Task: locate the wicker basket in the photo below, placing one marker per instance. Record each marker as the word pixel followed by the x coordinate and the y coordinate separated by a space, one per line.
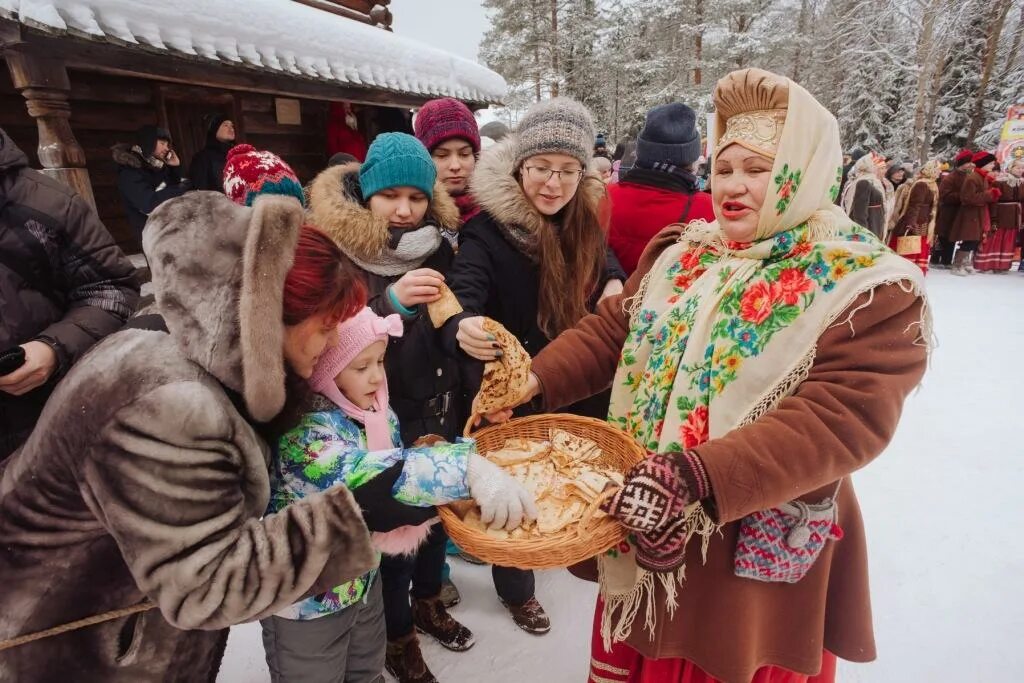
pixel 577 542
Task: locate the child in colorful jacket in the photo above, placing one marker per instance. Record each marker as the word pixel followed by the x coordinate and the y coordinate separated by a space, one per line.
pixel 352 436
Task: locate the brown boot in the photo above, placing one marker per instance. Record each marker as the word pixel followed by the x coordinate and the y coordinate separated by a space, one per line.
pixel 431 617
pixel 404 661
pixel 529 616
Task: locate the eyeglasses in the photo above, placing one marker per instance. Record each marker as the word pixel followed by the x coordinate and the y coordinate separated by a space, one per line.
pixel 542 174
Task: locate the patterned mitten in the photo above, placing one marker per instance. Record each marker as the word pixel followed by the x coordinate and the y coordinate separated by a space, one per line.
pixel 652 503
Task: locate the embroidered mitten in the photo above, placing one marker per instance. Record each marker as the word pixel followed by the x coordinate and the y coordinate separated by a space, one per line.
pixel 652 503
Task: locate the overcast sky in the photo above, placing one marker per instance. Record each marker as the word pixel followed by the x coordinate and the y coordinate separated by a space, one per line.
pixel 452 25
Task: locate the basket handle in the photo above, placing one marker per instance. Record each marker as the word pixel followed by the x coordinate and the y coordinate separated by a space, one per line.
pixel 467 431
pixel 595 505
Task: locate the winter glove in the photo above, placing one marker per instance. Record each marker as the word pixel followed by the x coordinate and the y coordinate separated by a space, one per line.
pixel 381 512
pixel 503 502
pixel 996 193
pixel 652 503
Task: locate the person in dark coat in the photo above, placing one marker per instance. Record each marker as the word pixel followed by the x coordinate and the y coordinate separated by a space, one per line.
pixel 661 188
pixel 864 196
pixel 949 204
pixel 206 172
pixel 64 285
pixel 147 174
pixel 389 215
pixel 448 129
pixel 535 259
pixel 973 218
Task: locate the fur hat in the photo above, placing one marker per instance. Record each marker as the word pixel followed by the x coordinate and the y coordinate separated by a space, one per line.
pixel 983 158
pixel 397 160
pixel 964 156
pixel 556 126
pixel 750 107
pixel 669 136
pixel 444 119
pixel 250 173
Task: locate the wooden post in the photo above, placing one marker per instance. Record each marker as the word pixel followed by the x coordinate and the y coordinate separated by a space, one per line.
pixel 45 86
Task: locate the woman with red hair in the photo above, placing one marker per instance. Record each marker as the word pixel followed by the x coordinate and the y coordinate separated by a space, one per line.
pixel 146 483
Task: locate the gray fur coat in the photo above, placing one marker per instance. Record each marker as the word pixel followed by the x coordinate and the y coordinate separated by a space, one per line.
pixel 143 479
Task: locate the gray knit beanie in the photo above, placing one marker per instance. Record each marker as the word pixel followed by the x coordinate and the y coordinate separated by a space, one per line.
pixel 556 126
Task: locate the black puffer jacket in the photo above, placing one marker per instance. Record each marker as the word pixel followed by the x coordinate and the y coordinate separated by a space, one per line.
pixel 63 280
pixel 424 381
pixel 144 183
pixel 492 277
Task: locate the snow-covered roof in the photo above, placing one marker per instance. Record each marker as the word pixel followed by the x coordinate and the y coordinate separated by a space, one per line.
pixel 273 35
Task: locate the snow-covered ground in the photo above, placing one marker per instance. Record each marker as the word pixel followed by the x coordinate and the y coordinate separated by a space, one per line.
pixel 941 507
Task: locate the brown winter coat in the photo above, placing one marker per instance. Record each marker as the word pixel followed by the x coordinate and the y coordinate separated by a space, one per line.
pixel 949 202
pixel 919 216
pixel 1007 212
pixel 839 419
pixel 972 218
pixel 145 478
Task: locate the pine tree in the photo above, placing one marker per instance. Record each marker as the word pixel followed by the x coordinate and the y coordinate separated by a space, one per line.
pixel 960 80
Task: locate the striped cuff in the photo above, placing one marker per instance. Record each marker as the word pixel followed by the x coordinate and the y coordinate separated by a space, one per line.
pixel 692 472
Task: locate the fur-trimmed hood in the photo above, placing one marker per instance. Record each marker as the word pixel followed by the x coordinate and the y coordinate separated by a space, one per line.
pixel 124 155
pixel 218 275
pixel 497 191
pixel 336 207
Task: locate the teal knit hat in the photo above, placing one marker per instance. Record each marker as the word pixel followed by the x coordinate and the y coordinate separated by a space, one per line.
pixel 397 160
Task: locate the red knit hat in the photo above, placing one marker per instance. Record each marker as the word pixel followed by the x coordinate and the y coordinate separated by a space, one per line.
pixel 982 158
pixel 963 157
pixel 444 119
pixel 250 172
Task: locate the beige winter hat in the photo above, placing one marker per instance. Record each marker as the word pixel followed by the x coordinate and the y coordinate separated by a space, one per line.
pixel 750 108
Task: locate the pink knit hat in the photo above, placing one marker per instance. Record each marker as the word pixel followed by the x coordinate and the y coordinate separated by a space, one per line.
pixel 354 335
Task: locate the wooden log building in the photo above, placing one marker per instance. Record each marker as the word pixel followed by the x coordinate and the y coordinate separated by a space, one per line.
pixel 84 75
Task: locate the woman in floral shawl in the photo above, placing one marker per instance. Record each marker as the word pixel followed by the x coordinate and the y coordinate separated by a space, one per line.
pixel 761 359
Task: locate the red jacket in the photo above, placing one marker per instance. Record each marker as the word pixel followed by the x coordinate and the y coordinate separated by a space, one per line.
pixel 639 212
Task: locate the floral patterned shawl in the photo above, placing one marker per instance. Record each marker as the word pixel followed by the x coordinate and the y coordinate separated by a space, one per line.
pixel 720 332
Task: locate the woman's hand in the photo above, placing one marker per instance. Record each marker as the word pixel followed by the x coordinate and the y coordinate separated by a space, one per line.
pixel 420 286
pixel 531 390
pixel 612 288
pixel 476 341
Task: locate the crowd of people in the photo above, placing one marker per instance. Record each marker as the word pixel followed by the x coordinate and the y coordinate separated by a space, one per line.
pixel 966 214
pixel 269 438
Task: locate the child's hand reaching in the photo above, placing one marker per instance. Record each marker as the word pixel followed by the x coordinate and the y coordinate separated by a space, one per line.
pixel 503 501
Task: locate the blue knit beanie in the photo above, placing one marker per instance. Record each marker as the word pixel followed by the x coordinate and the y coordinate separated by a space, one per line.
pixel 397 160
pixel 669 137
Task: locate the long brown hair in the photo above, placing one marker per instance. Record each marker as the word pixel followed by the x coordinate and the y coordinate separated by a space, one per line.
pixel 572 257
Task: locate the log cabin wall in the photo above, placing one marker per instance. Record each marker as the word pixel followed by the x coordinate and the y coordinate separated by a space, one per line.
pixel 106 110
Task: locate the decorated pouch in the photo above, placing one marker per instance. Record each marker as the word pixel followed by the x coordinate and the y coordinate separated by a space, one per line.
pixel 780 544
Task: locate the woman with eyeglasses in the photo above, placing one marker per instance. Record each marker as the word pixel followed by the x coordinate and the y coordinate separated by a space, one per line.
pixel 535 259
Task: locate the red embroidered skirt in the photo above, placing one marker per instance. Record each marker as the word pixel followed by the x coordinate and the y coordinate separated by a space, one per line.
pixel 625 665
pixel 996 251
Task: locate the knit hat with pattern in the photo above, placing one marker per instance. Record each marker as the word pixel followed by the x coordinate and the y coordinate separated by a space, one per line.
pixel 250 172
pixel 397 160
pixel 556 126
pixel 444 119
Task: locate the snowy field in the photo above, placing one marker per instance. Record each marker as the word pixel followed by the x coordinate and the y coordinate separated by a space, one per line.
pixel 947 571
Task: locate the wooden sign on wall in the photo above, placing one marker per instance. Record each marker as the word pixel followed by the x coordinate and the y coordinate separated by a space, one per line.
pixel 289 111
